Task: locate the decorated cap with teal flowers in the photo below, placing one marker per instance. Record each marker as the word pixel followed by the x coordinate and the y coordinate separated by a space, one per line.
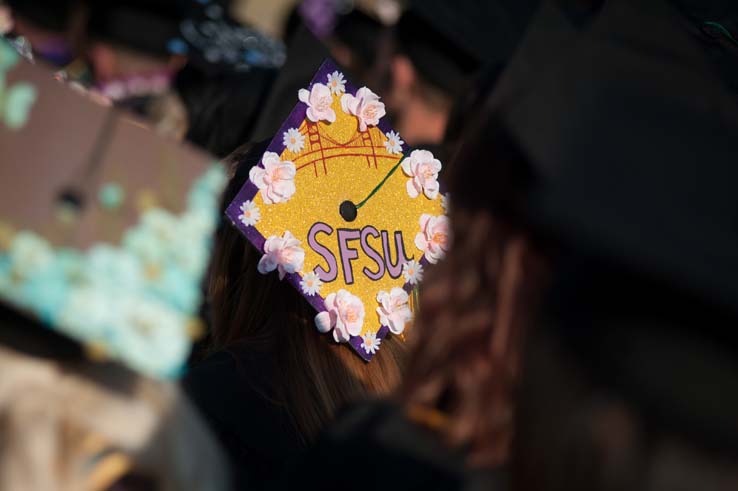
pixel 105 227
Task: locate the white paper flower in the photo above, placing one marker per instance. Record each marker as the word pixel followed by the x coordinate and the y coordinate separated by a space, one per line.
pixel 422 168
pixel 394 142
pixel 370 343
pixel 365 106
pixel 393 310
pixel 344 314
pixel 283 254
pixel 433 238
pixel 276 180
pixel 446 202
pixel 336 83
pixel 293 140
pixel 319 102
pixel 250 213
pixel 412 271
pixel 310 283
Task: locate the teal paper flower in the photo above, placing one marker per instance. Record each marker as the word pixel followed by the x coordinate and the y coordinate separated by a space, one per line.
pixel 150 337
pixel 106 264
pixel 111 196
pixel 87 315
pixel 8 56
pixel 29 254
pixel 178 290
pixel 46 294
pixel 16 103
pixel 146 246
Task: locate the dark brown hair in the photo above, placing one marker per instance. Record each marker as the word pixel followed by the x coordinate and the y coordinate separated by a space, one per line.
pixel 476 303
pixel 315 375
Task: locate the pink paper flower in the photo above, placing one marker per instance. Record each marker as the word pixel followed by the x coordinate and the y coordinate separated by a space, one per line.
pixel 283 254
pixel 319 101
pixel 393 310
pixel 434 237
pixel 422 168
pixel 276 181
pixel 365 106
pixel 344 314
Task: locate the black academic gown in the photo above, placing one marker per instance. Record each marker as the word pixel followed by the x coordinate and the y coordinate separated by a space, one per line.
pixel 233 392
pixel 374 446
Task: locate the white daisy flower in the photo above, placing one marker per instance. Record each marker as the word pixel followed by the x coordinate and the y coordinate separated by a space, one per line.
pixel 412 271
pixel 250 213
pixel 370 343
pixel 394 142
pixel 293 140
pixel 310 284
pixel 336 83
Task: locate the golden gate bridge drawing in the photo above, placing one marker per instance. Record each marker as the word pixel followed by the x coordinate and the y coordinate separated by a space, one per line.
pixel 321 147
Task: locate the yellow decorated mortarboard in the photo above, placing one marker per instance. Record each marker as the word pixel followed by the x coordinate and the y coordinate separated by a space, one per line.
pixel 344 211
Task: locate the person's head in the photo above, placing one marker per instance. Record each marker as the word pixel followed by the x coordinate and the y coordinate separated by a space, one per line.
pixel 360 44
pixel 222 108
pixel 315 376
pixel 419 100
pixel 478 300
pixel 440 48
pixel 130 37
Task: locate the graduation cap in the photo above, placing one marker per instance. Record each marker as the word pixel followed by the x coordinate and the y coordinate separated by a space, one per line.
pixel 105 227
pixel 343 210
pixel 448 42
pixel 632 134
pixel 143 25
pixel 714 25
pixel 53 15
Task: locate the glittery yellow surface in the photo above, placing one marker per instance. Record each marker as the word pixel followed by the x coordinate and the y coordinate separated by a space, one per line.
pixel 339 163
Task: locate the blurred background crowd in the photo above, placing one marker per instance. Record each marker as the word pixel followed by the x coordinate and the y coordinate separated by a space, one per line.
pixel 581 332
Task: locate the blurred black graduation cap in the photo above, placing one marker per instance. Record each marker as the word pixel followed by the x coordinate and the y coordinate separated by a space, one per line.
pixel 143 25
pixel 360 32
pixel 449 42
pixel 53 15
pixel 632 134
pixel 476 124
pixel 304 54
pixel 714 25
